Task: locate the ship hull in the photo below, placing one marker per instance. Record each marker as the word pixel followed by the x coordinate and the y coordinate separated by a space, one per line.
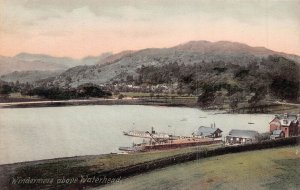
pixel 167 146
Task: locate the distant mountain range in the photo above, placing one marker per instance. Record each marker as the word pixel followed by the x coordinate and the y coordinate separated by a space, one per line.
pixel 29 76
pixel 41 62
pixel 118 66
pixel 109 67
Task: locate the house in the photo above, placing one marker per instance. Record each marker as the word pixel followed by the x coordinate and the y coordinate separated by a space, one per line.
pixel 288 123
pixel 210 132
pixel 277 134
pixel 237 136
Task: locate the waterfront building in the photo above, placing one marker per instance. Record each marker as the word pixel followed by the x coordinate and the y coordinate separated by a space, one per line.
pixel 210 132
pixel 237 136
pixel 277 134
pixel 288 123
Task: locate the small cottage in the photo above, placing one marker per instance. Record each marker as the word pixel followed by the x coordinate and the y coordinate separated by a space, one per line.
pixel 209 132
pixel 237 136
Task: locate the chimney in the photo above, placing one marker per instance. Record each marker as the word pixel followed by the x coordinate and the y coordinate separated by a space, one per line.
pixel 285 115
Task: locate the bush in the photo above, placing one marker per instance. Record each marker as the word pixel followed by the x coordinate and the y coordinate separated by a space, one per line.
pixel 5 89
pixel 121 96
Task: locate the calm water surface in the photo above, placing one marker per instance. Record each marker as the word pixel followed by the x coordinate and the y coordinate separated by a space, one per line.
pixel 41 133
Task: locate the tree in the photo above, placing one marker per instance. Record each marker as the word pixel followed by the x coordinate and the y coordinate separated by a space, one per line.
pixel 5 90
pixel 207 97
pixel 284 88
pixel 151 95
pixel 91 90
pixel 234 101
pixel 129 78
pixel 116 92
pixel 121 96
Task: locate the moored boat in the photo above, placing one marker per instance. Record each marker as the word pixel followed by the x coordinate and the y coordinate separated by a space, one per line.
pixel 147 134
pixel 163 141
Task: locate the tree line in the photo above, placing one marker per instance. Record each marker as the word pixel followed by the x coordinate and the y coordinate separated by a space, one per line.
pixel 56 93
pixel 274 76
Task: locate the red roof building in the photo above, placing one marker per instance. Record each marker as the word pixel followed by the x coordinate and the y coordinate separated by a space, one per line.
pixel 288 123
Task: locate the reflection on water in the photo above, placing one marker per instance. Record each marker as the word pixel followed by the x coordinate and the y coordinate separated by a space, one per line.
pixel 42 133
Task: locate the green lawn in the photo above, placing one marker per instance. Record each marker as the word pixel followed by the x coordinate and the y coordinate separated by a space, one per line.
pixel 161 95
pixel 19 95
pixel 109 162
pixel 264 169
pixel 85 165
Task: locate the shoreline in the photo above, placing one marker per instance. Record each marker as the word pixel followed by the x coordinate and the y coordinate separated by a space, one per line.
pixel 102 101
pixel 271 108
pixel 109 166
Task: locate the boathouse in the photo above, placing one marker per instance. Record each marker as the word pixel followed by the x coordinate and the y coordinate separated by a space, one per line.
pixel 277 134
pixel 288 123
pixel 237 136
pixel 210 132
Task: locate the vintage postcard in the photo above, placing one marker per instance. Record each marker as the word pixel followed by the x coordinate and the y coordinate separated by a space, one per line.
pixel 149 94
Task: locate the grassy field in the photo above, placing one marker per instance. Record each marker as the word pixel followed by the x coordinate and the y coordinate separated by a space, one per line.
pixel 155 95
pixel 19 95
pixel 264 169
pixel 77 166
pixel 279 109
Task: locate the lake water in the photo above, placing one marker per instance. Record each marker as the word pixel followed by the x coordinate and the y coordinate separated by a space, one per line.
pixel 41 133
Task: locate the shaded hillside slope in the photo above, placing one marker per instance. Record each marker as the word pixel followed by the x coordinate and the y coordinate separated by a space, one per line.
pixel 119 67
pixel 29 76
pixel 41 62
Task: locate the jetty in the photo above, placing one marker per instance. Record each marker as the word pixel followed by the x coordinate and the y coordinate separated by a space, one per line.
pixel 164 141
